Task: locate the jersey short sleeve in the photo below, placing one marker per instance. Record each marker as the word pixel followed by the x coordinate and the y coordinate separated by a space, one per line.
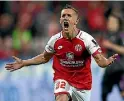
pixel 50 45
pixel 92 46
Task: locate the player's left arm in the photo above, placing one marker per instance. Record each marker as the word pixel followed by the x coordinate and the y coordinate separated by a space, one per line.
pixel 103 61
pixel 95 50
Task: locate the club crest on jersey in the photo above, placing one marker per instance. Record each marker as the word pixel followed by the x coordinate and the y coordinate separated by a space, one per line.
pixel 78 47
pixel 59 47
pixel 70 55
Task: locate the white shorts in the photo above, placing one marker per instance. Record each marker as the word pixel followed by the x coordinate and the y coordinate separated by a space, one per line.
pixel 63 87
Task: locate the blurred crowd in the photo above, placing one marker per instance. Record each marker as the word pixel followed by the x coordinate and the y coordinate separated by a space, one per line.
pixel 26 26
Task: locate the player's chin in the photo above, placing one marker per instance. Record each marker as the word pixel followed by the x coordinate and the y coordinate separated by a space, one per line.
pixel 65 29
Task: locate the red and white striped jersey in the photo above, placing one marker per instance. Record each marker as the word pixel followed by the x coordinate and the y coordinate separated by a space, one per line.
pixel 72 58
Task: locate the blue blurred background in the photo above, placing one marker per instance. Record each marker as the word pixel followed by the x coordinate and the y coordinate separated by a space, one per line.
pixel 25 28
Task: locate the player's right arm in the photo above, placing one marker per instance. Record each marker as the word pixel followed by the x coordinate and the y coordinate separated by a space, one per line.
pixel 19 63
pixel 39 59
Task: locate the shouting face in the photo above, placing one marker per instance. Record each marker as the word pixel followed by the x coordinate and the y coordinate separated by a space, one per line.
pixel 68 20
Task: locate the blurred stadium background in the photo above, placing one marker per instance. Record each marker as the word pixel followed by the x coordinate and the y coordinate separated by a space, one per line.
pixel 25 28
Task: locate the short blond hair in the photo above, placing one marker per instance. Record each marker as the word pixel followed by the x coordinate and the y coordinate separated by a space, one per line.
pixel 67 6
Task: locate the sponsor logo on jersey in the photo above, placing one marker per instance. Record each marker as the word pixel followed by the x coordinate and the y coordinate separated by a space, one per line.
pixel 99 50
pixel 70 55
pixel 72 63
pixel 78 47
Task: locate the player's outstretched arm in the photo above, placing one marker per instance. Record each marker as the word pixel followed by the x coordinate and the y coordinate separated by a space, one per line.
pixel 19 63
pixel 104 62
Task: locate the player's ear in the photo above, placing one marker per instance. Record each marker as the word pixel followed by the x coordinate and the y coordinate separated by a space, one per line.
pixel 77 21
pixel 60 21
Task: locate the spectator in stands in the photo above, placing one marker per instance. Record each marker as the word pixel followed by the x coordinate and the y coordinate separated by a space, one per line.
pixel 115 72
pixel 95 16
pixel 6 25
pixel 21 35
pixel 53 25
pixel 119 49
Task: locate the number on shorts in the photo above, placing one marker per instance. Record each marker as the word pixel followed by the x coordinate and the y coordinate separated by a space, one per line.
pixel 60 84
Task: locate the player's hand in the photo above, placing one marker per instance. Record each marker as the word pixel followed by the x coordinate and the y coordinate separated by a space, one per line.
pixel 18 64
pixel 112 59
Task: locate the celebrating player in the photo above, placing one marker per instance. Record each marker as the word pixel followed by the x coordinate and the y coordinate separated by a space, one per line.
pixel 71 50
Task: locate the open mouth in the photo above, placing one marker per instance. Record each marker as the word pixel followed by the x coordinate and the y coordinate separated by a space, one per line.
pixel 66 24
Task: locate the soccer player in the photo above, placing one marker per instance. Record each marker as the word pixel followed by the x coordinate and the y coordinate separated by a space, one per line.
pixel 71 50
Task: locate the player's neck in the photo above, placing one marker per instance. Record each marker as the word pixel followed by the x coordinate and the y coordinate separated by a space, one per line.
pixel 71 34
